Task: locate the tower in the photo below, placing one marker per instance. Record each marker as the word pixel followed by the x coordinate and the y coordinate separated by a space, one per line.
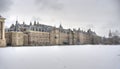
pixel 2 32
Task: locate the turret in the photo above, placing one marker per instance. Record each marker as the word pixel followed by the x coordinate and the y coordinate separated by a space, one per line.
pixel 12 26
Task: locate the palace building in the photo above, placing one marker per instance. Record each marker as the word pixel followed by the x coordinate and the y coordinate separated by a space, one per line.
pixel 36 34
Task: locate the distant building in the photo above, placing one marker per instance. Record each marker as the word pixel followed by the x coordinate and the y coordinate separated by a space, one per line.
pixel 114 37
pixel 115 33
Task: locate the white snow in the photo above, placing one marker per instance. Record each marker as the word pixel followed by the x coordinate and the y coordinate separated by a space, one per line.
pixel 61 57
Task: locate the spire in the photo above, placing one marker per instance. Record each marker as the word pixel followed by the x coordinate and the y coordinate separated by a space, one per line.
pixel 16 21
pixel 34 22
pixel 110 34
pixel 60 26
pixel 23 23
pixel 37 23
pixel 30 23
pixel 78 29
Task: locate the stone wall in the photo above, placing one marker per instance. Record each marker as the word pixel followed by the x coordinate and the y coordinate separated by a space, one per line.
pixel 82 38
pixel 38 38
pixel 59 38
pixel 8 36
pixel 55 37
pixel 70 38
pixel 2 43
pixel 14 38
pixel 2 32
pixel 75 37
pixel 26 40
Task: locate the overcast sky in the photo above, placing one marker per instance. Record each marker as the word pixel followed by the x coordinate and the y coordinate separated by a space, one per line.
pixel 99 15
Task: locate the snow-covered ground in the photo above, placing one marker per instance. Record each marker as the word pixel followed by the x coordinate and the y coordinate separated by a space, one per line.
pixel 61 57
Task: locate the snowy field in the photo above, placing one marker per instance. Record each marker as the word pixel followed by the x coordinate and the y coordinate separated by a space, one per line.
pixel 61 57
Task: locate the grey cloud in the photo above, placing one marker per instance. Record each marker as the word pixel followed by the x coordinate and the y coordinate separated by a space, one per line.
pixel 49 4
pixel 96 14
pixel 5 5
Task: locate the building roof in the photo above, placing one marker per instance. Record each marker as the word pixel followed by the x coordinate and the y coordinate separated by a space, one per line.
pixel 35 27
